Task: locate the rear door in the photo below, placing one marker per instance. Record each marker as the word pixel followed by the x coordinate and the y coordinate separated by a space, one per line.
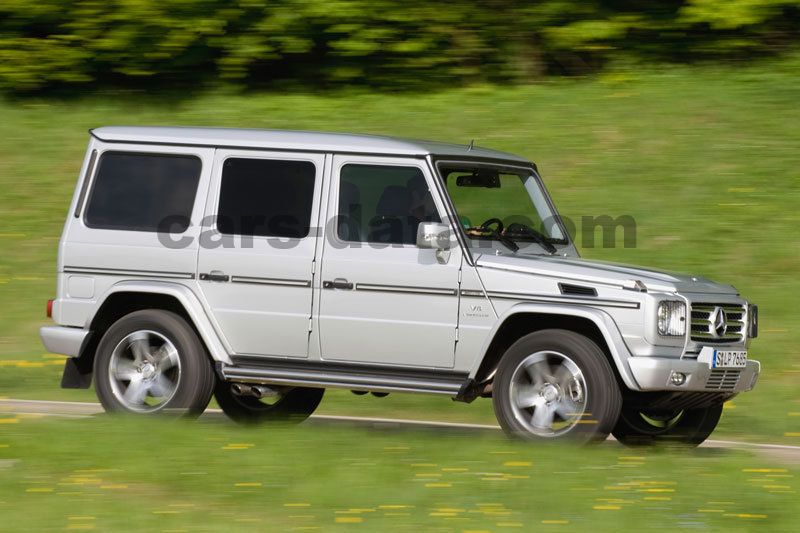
pixel 256 259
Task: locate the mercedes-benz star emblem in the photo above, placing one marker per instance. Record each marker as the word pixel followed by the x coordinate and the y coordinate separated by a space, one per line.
pixel 719 322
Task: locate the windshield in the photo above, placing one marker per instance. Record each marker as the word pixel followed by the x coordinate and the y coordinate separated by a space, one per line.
pixel 501 204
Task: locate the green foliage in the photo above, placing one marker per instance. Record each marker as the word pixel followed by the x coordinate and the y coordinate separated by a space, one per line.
pixel 51 43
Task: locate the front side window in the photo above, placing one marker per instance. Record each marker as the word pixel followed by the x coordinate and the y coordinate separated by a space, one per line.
pixel 266 197
pixel 503 204
pixel 143 192
pixel 383 204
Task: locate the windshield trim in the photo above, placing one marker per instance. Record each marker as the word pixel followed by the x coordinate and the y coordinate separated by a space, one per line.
pixel 500 164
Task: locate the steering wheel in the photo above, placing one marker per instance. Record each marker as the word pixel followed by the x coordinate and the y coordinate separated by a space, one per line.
pixel 493 221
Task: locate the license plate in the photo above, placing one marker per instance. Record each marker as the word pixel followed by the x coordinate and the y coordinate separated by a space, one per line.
pixel 729 359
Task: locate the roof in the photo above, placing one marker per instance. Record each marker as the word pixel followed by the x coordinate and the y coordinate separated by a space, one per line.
pixel 294 140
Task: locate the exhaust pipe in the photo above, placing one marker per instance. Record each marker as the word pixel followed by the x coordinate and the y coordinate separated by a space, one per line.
pixel 253 391
pixel 240 389
pixel 260 391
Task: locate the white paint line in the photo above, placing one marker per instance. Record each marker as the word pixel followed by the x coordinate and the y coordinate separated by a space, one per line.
pixel 47 407
pixel 406 422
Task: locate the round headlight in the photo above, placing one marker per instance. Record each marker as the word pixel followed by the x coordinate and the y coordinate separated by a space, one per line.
pixel 672 319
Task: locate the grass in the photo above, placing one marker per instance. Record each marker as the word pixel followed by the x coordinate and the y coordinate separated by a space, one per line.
pixel 705 159
pixel 158 475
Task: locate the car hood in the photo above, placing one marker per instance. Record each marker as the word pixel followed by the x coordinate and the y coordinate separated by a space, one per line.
pixel 577 269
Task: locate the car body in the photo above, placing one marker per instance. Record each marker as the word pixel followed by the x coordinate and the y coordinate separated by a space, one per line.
pixel 311 295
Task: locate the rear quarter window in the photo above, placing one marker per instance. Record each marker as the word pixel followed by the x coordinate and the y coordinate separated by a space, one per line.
pixel 143 192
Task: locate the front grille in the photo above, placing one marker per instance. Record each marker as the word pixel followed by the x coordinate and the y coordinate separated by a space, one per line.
pixel 703 327
pixel 723 379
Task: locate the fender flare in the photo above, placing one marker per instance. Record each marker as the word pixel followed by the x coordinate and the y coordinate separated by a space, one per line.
pixel 608 328
pixel 190 302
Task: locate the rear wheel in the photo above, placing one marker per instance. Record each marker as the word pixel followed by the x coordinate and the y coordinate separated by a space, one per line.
pixel 152 361
pixel 689 427
pixel 289 404
pixel 555 384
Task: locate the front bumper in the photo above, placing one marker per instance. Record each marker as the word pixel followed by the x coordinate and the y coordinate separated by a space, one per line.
pixel 63 340
pixel 653 374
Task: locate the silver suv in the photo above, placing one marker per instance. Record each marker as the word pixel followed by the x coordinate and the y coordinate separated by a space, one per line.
pixel 265 266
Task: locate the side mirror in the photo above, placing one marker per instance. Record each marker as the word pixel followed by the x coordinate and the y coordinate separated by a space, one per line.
pixel 435 235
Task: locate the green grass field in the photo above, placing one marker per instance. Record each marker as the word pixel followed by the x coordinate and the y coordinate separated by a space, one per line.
pixel 706 159
pixel 157 475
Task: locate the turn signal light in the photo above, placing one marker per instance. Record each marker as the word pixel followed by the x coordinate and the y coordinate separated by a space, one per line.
pixel 49 308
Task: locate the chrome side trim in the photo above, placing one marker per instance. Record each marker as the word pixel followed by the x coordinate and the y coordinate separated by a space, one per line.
pixel 469 293
pixel 310 378
pixel 405 289
pixel 123 272
pixel 271 281
pixel 545 298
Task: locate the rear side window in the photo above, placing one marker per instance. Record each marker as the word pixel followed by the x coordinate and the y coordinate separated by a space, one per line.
pixel 143 192
pixel 265 197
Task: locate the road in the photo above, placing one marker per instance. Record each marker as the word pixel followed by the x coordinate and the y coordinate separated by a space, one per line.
pixel 780 452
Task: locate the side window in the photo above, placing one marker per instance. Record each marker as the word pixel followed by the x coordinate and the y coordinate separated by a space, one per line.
pixel 143 192
pixel 383 204
pixel 264 197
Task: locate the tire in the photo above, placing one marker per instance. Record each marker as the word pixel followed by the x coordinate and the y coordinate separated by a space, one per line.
pixel 292 405
pixel 560 377
pixel 152 361
pixel 689 427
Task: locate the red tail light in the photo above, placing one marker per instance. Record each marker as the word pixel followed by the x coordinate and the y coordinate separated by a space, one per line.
pixel 49 308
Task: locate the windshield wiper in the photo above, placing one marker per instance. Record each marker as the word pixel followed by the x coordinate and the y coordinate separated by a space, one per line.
pixel 505 241
pixel 535 236
pixel 546 244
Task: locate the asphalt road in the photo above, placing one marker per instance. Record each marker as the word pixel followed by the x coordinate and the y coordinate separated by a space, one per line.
pixel 779 452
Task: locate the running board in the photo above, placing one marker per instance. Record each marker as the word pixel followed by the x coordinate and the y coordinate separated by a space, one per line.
pixel 339 376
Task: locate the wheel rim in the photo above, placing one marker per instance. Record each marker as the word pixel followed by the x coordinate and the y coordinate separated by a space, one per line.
pixel 548 394
pixel 144 371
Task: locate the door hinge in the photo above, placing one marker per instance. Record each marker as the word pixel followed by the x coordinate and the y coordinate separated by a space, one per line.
pixel 313 267
pixel 456 334
pixel 310 324
pixel 460 272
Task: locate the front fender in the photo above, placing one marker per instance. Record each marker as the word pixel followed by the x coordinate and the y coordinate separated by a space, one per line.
pixel 188 299
pixel 603 321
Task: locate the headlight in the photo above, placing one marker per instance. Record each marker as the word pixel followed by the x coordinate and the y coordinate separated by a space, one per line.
pixel 672 319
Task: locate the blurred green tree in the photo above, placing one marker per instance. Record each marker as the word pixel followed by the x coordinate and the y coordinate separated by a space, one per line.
pixel 84 43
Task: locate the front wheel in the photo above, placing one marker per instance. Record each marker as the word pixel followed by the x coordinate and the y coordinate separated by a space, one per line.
pixel 288 405
pixel 556 384
pixel 688 427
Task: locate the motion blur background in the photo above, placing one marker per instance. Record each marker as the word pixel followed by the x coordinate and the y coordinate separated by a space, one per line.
pixel 682 114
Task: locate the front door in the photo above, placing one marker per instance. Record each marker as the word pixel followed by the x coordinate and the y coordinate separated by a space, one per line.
pixel 255 267
pixel 383 299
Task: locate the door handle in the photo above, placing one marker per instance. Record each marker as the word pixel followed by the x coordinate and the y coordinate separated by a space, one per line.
pixel 215 275
pixel 338 283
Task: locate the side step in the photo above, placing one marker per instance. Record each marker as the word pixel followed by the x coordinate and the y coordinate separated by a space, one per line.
pixel 268 371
